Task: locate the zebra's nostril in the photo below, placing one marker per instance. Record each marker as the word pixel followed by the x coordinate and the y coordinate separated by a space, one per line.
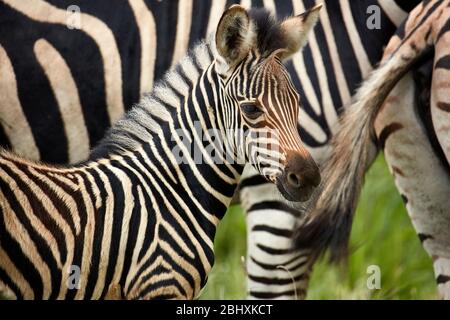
pixel 294 180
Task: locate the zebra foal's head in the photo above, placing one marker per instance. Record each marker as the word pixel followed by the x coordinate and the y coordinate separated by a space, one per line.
pixel 259 97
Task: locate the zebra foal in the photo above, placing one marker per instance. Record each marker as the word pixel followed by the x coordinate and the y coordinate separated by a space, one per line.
pixel 138 222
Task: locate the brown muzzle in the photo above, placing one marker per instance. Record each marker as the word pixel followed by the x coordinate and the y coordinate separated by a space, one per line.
pixel 301 176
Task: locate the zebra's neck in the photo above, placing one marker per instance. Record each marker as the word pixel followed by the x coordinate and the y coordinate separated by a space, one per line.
pixel 179 125
pixel 163 144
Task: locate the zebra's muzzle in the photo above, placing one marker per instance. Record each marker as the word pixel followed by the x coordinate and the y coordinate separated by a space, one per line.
pixel 300 178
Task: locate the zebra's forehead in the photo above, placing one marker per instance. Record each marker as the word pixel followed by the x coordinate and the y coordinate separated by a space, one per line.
pixel 270 76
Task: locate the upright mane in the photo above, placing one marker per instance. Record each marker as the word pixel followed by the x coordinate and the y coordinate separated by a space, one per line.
pixel 143 121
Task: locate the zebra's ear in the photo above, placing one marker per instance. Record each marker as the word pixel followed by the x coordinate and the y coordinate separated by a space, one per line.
pixel 296 30
pixel 235 35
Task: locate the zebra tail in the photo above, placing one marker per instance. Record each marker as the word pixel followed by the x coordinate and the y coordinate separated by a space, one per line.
pixel 328 223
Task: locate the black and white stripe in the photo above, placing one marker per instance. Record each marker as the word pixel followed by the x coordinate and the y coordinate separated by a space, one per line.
pixel 339 55
pixel 136 221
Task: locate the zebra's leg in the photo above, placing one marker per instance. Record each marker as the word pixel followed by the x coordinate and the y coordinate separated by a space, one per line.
pixel 421 175
pixel 274 270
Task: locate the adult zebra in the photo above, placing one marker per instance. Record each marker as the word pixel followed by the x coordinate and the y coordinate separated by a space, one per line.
pixel 134 215
pixel 132 43
pixel 329 224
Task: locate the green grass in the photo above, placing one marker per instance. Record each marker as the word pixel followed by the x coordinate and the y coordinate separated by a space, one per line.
pixel 227 279
pixel 382 235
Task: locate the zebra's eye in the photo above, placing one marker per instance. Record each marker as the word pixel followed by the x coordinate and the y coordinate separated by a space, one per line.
pixel 251 110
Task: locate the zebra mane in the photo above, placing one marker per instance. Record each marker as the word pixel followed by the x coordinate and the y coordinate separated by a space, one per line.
pixel 143 121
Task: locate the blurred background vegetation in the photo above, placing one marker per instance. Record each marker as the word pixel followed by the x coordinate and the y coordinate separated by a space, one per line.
pixel 382 235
